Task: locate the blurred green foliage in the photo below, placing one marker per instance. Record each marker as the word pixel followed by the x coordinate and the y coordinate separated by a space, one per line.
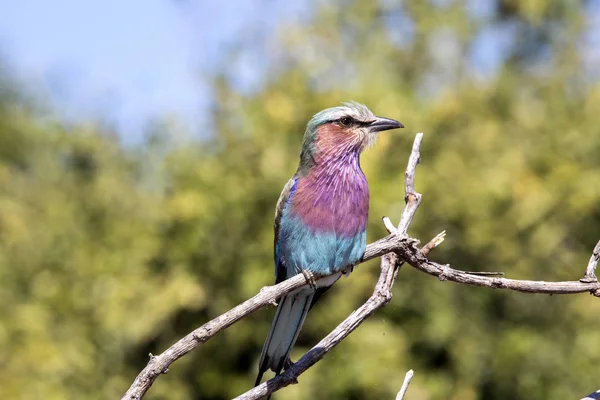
pixel 108 253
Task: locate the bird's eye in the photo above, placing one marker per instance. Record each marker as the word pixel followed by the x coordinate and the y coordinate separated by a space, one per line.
pixel 346 121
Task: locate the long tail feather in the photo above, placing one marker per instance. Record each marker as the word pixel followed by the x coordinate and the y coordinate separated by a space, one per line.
pixel 286 326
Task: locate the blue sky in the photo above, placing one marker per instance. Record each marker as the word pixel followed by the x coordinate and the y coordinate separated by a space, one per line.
pixel 123 60
pixel 128 61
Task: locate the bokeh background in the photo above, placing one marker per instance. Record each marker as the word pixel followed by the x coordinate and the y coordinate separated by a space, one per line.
pixel 143 145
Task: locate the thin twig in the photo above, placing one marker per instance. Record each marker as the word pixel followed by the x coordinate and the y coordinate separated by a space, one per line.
pixel 407 378
pixel 436 241
pixel 412 198
pixel 417 259
pixel 591 267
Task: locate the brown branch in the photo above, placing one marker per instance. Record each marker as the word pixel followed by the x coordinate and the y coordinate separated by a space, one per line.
pixel 417 259
pixel 397 249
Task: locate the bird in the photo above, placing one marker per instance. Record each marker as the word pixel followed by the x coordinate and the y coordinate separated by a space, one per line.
pixel 320 218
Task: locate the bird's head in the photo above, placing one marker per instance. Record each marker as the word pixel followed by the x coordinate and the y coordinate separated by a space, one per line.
pixel 344 130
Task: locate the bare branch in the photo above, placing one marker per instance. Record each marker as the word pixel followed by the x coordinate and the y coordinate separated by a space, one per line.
pixel 591 267
pixel 412 198
pixel 407 378
pixel 417 259
pixel 433 243
pixel 396 249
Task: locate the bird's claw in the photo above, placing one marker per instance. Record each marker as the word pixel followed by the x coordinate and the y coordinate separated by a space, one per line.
pixel 310 279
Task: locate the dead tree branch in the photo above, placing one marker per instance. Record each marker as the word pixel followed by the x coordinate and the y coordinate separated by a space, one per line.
pixel 395 249
pixel 407 378
pixel 589 271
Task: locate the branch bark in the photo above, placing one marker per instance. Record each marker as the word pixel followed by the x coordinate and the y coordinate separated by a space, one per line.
pixel 395 249
pixel 592 264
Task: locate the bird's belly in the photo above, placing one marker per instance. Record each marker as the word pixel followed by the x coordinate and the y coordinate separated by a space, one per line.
pixel 322 253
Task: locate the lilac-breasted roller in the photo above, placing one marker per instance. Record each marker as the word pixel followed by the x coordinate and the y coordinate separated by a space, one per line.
pixel 320 217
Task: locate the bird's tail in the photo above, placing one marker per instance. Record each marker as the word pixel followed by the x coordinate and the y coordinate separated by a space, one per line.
pixel 287 323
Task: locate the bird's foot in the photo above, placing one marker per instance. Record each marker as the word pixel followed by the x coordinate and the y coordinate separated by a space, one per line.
pixel 310 279
pixel 346 271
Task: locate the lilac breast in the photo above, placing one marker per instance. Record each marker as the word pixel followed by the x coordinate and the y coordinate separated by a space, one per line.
pixel 333 198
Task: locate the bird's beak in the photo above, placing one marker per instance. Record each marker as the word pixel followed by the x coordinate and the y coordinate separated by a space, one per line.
pixel 384 124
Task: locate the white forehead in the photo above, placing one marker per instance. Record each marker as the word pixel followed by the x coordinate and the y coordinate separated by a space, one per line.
pixel 358 111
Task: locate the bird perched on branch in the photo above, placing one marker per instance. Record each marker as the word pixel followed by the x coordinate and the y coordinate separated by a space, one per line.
pixel 320 218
